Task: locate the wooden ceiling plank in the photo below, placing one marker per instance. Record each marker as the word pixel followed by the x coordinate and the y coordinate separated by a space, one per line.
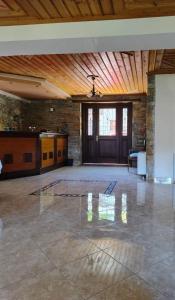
pixel 152 60
pixel 13 63
pixel 95 7
pixel 145 61
pixel 72 8
pixel 83 80
pixel 92 64
pixel 159 58
pixel 84 8
pixel 71 71
pixel 166 63
pixel 134 72
pixel 49 11
pixel 89 69
pixel 117 70
pixel 102 67
pixel 121 66
pixel 118 6
pixel 26 66
pixel 12 4
pixel 6 16
pixel 128 68
pixel 29 10
pixel 40 9
pixel 107 7
pixel 71 79
pixel 138 60
pixel 111 72
pixel 5 67
pixel 61 8
pixel 50 8
pixel 80 69
pixel 49 65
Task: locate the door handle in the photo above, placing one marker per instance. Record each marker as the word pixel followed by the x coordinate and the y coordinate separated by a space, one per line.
pixel 96 138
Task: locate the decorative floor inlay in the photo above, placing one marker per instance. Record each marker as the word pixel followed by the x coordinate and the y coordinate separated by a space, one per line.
pixel 76 188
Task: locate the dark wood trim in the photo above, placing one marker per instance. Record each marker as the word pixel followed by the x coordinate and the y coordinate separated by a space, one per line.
pixel 26 134
pixel 162 71
pixel 21 173
pixel 109 98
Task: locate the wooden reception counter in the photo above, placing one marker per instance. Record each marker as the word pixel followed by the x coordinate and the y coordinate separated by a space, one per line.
pixel 31 153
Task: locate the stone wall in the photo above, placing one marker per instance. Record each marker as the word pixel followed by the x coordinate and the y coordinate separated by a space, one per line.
pixel 139 123
pixel 150 127
pixel 10 113
pixel 66 116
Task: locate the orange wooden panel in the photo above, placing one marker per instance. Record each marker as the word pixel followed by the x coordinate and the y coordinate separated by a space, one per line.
pixel 17 147
pixel 47 146
pixel 62 145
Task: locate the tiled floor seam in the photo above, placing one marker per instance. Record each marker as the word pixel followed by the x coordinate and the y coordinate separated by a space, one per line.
pixel 108 287
pixel 138 275
pixel 45 255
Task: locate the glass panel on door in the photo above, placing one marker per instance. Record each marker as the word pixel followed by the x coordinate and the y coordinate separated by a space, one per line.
pixel 125 122
pixel 107 121
pixel 90 121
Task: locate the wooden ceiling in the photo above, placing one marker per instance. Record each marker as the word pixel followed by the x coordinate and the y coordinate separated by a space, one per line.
pixel 119 73
pixel 168 62
pixel 17 12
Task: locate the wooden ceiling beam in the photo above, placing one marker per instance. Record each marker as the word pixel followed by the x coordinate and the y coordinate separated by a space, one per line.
pixel 36 81
pixel 162 71
pixel 109 98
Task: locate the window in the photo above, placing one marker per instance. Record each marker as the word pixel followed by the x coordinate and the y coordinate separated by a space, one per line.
pixel 90 121
pixel 107 121
pixel 125 122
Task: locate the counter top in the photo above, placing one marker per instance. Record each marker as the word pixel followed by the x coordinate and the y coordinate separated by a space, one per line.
pixel 29 134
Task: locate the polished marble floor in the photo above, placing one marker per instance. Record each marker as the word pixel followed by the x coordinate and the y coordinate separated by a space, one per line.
pixel 94 233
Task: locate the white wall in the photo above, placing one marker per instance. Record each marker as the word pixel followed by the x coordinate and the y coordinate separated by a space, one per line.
pixel 164 126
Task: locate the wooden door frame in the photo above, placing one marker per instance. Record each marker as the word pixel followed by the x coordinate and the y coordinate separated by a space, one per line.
pixel 85 106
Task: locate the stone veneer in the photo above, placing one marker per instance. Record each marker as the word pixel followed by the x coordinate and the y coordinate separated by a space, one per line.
pixel 11 116
pixel 139 123
pixel 66 116
pixel 150 127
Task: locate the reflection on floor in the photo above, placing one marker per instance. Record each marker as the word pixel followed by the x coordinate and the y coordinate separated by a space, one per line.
pixel 94 233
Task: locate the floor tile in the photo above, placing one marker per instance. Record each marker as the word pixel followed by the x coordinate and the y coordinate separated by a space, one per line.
pixel 94 273
pixel 133 288
pixel 136 257
pixel 69 249
pixel 22 260
pixel 47 286
pixel 162 277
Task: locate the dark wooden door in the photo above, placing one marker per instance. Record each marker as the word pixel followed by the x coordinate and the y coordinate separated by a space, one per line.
pixel 107 133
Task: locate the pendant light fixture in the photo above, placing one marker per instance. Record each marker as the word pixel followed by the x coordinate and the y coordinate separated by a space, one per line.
pixel 93 92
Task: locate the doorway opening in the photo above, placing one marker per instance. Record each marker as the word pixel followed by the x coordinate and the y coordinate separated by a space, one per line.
pixel 107 133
